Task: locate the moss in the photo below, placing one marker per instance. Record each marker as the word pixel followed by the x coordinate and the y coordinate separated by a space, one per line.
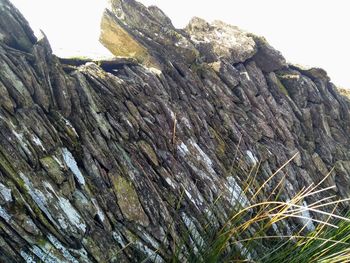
pixel 71 133
pixel 6 168
pixel 148 151
pixel 281 87
pixel 53 169
pixel 37 213
pixel 41 242
pixel 21 185
pixel 128 201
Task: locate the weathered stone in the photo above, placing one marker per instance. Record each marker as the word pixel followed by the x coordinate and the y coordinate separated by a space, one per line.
pixel 267 58
pixel 14 29
pixel 109 161
pixel 6 101
pixel 149 152
pixel 313 73
pixel 128 201
pixel 219 40
pixel 228 74
pixel 53 169
pixel 153 30
pixel 120 42
pixel 345 92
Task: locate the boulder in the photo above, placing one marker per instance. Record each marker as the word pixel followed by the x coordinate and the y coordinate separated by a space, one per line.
pixel 266 57
pixel 219 40
pixel 14 29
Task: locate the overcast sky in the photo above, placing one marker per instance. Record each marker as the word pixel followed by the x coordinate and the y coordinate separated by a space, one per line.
pixel 308 32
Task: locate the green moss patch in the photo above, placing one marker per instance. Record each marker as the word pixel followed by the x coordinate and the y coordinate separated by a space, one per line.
pixel 128 201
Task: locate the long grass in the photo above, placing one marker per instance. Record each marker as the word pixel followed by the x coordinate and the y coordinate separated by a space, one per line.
pixel 259 232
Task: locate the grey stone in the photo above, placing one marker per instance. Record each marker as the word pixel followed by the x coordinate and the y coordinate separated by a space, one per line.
pixel 110 161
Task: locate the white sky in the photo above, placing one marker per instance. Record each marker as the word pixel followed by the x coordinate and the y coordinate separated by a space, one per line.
pixel 308 32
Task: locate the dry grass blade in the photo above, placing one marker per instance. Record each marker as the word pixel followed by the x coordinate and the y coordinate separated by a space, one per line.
pixel 273 175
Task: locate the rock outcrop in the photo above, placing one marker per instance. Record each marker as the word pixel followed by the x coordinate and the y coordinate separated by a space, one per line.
pixel 113 161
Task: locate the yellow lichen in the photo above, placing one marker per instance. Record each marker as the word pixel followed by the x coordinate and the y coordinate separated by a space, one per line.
pixel 282 87
pixel 149 152
pixel 53 169
pixel 128 200
pixel 345 92
pixel 122 44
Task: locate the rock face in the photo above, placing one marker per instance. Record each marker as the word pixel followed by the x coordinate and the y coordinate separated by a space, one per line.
pixel 14 29
pixel 220 41
pixel 112 162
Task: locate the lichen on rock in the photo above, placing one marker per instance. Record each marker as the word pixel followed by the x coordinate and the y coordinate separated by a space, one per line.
pixel 219 40
pixel 120 42
pixel 128 201
pixel 122 159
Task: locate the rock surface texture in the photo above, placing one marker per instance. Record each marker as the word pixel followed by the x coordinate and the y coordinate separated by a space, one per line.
pixel 113 161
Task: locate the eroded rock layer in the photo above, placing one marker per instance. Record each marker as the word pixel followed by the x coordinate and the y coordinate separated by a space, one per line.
pixel 113 161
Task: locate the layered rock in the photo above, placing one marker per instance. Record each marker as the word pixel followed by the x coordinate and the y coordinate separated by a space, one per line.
pixel 113 161
pixel 14 29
